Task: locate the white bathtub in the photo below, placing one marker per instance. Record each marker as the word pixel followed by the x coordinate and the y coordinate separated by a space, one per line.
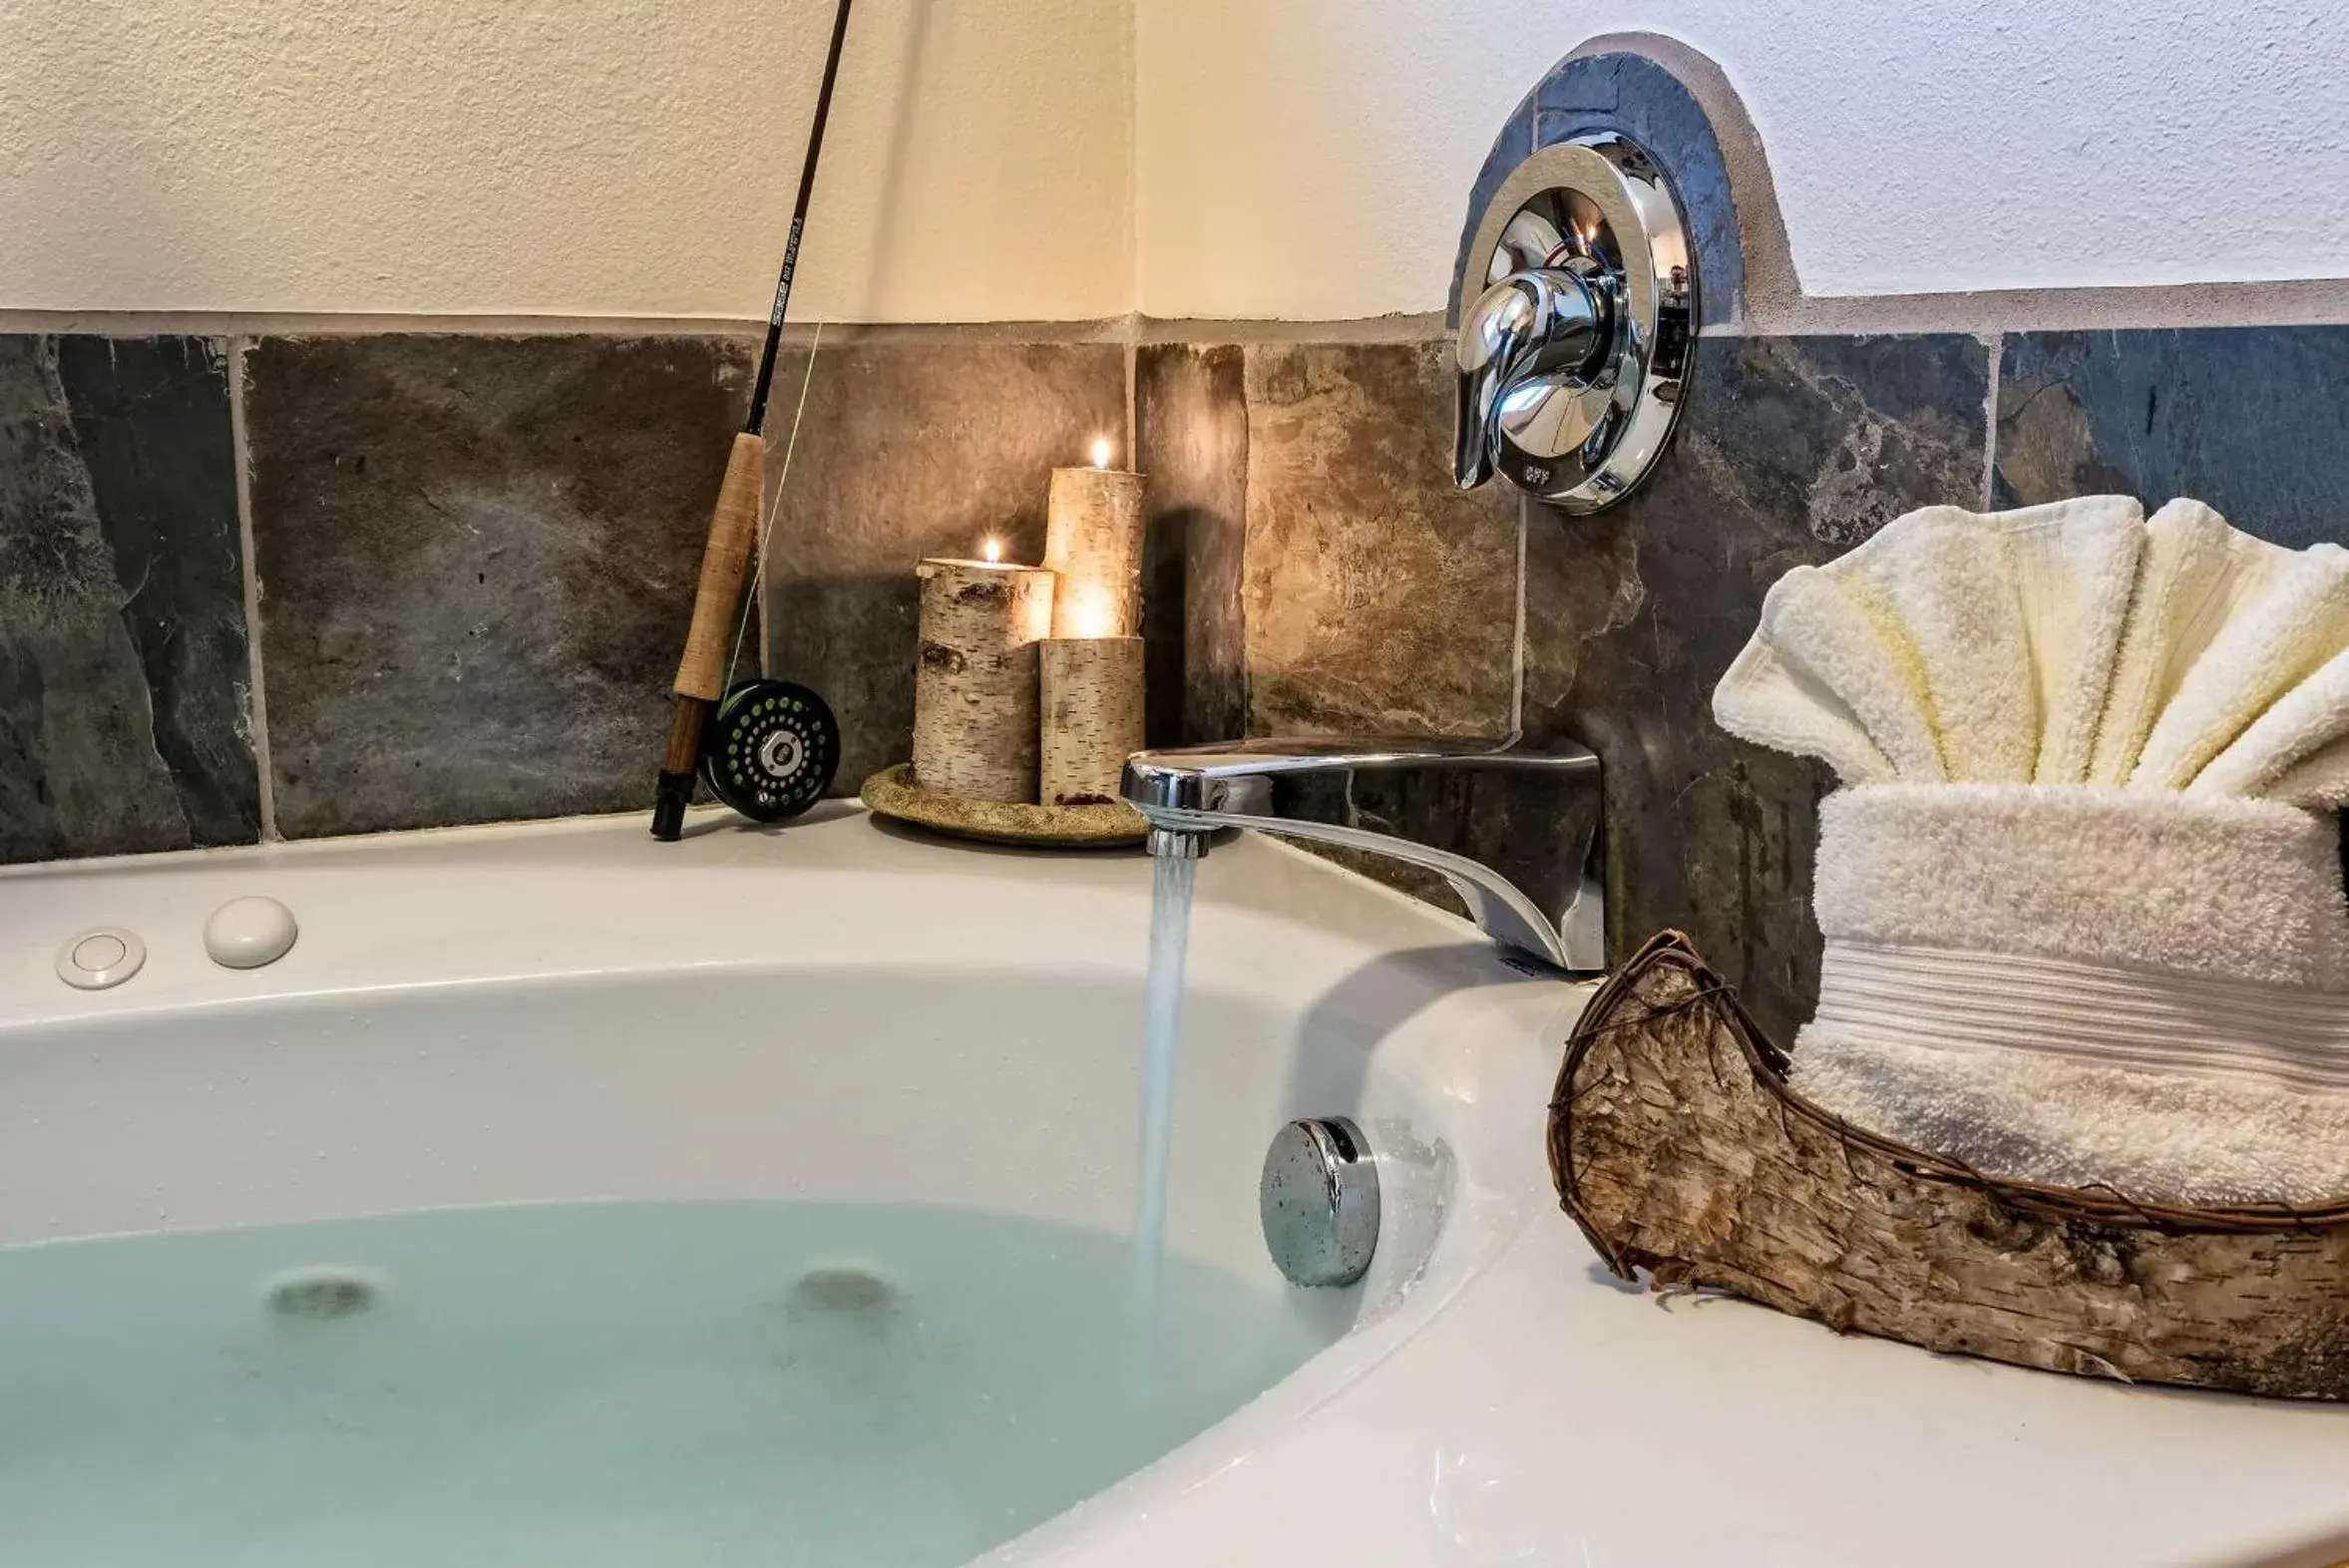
pixel 834 1011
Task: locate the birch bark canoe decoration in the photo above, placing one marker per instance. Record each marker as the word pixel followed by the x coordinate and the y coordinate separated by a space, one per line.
pixel 1678 1148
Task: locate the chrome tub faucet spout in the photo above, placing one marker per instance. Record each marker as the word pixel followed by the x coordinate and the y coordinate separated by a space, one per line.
pixel 1515 832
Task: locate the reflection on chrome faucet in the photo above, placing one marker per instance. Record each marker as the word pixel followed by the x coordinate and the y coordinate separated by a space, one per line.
pixel 1515 832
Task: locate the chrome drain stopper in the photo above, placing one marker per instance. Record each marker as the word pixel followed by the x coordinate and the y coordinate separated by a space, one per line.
pixel 1319 1201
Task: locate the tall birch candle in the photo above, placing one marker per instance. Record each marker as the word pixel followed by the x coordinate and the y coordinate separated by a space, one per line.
pixel 1093 544
pixel 1092 699
pixel 975 681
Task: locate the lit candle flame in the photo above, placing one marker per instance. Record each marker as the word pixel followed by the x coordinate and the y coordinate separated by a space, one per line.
pixel 1102 451
pixel 992 550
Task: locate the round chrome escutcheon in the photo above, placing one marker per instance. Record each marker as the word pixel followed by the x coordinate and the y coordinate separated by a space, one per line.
pixel 1578 322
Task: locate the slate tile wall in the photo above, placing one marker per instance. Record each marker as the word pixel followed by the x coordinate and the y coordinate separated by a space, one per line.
pixel 124 670
pixel 2248 419
pixel 1792 451
pixel 1376 598
pixel 1191 436
pixel 472 557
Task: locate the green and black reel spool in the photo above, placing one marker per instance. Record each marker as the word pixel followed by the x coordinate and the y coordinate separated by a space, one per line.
pixel 770 750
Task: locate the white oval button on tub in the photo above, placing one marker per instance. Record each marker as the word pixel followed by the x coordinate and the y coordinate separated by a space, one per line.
pixel 96 959
pixel 245 934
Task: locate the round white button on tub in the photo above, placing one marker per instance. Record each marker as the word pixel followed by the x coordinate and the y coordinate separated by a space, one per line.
pixel 100 952
pixel 245 934
pixel 99 958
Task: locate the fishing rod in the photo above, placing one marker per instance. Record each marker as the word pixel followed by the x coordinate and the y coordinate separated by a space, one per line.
pixel 773 761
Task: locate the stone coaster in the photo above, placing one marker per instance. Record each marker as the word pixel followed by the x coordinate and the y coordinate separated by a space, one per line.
pixel 893 793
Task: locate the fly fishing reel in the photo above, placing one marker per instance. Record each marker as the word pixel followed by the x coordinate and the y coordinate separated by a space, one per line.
pixel 770 750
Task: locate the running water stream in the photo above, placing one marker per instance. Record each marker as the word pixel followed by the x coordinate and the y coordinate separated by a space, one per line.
pixel 1163 1026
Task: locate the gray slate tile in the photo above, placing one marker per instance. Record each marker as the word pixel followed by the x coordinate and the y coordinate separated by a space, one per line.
pixel 477 559
pixel 1635 97
pixel 1191 422
pixel 2247 419
pixel 123 659
pixel 910 450
pixel 1792 451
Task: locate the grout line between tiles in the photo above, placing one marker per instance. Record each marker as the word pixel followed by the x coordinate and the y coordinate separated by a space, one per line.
pixel 257 696
pixel 2311 302
pixel 1995 342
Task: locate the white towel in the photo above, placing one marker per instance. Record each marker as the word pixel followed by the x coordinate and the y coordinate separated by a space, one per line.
pixel 2159 1135
pixel 1945 586
pixel 2076 565
pixel 2296 752
pixel 1820 683
pixel 2277 639
pixel 2195 573
pixel 2083 924
pixel 2083 983
pixel 1953 646
pixel 2237 890
pixel 2059 644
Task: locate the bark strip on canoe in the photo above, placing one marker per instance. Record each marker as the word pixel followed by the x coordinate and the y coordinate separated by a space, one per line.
pixel 1679 1149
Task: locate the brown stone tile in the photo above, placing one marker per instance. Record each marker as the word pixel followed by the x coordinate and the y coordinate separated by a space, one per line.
pixel 1191 422
pixel 477 559
pixel 908 450
pixel 1377 596
pixel 1792 451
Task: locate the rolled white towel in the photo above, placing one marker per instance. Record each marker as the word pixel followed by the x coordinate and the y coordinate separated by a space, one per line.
pixel 2161 1135
pixel 2076 565
pixel 2084 984
pixel 2082 923
pixel 1945 585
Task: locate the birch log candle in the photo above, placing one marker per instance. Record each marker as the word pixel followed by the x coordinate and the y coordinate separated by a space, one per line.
pixel 1093 544
pixel 975 681
pixel 1093 698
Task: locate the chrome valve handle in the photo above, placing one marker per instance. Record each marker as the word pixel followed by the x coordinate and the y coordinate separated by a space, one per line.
pixel 1574 354
pixel 1548 311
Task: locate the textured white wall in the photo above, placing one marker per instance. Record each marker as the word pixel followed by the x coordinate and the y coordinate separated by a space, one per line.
pixel 1312 157
pixel 599 156
pixel 1072 159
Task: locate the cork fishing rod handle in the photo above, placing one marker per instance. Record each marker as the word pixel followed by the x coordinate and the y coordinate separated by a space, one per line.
pixel 725 562
pixel 701 673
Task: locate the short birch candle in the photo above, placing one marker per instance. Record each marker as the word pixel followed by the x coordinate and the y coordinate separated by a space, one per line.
pixel 974 680
pixel 1092 699
pixel 1093 544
